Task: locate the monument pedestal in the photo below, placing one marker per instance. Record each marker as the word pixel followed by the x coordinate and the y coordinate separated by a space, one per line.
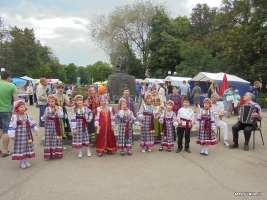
pixel 116 85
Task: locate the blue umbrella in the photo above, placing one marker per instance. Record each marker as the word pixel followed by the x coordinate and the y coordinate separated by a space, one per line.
pixel 18 81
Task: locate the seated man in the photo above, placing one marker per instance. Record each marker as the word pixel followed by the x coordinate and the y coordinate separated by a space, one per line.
pixel 248 128
pixel 217 109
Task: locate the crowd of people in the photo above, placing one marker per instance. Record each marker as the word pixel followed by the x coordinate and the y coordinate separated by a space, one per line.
pixel 163 116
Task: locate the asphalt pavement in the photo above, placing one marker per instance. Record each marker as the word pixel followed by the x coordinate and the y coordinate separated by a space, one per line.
pixel 223 174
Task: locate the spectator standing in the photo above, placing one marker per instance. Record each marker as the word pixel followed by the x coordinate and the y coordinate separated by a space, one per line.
pixel 143 90
pixel 30 93
pixel 196 92
pixel 169 87
pixel 228 97
pixel 254 90
pixel 214 89
pixel 8 91
pixel 34 92
pixel 41 95
pixel 185 90
pixel 138 88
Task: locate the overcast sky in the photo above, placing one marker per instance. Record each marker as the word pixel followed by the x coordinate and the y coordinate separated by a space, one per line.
pixel 61 24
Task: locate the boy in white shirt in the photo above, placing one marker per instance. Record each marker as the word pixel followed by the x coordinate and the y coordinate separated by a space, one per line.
pixel 185 119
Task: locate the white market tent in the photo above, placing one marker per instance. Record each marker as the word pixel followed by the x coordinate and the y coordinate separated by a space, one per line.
pixel 28 79
pixel 239 83
pixel 139 80
pixel 205 76
pixel 153 80
pixel 177 81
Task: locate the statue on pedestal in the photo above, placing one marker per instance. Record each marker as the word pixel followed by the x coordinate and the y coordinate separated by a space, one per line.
pixel 121 65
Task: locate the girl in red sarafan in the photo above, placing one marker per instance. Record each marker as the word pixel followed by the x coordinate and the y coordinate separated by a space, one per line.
pixel 105 122
pixel 126 117
pixel 20 130
pixel 205 124
pixel 81 115
pixel 53 135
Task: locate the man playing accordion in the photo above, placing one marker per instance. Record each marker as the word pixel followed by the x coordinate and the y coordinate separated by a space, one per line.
pixel 247 121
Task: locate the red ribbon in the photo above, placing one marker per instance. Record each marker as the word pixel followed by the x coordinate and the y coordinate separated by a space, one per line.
pixel 187 127
pixel 207 125
pixel 126 129
pixel 28 127
pixel 57 125
pixel 83 121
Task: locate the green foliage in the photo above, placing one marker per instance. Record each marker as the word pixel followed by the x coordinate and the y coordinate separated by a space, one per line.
pixel 261 100
pixel 80 91
pixel 99 71
pixel 197 58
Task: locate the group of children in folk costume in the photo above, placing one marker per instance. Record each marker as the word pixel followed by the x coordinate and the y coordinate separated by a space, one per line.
pixel 21 127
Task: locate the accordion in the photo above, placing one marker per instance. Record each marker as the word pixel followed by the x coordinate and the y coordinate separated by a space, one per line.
pixel 245 114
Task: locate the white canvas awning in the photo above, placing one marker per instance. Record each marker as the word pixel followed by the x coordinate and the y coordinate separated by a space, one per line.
pixel 177 81
pixel 205 76
pixel 28 79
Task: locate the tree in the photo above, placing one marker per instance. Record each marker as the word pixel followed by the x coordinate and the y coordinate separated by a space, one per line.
pixel 99 71
pixel 127 26
pixel 201 19
pixel 71 73
pixel 197 58
pixel 82 74
pixel 166 36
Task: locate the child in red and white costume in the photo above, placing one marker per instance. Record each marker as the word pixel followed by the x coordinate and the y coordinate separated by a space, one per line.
pixel 20 130
pixel 80 117
pixel 169 120
pixel 186 118
pixel 126 117
pixel 205 124
pixel 53 134
pixel 146 114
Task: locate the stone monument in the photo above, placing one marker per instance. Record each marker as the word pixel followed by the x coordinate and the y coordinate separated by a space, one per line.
pixel 120 80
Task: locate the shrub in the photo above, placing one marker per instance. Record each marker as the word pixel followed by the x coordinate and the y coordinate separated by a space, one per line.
pixel 80 91
pixel 262 100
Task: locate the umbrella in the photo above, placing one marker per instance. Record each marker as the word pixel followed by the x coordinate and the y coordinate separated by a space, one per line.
pixel 224 85
pixel 18 81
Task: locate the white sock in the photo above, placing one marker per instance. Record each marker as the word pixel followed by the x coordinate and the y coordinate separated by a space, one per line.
pixel 80 151
pixel 22 161
pixel 207 150
pixel 202 149
pixel 88 149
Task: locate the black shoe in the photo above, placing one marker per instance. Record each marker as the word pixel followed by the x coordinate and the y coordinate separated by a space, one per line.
pixel 122 153
pixel 187 150
pixel 202 153
pixel 233 146
pixel 99 154
pixel 178 150
pixel 206 154
pixel 169 150
pixel 246 147
pixel 161 148
pixel 129 153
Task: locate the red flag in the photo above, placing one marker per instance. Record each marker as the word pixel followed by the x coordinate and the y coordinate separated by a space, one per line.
pixel 224 85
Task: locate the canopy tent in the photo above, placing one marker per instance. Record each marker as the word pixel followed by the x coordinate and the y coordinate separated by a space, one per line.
pixel 139 80
pixel 18 81
pixel 153 80
pixel 28 79
pixel 100 83
pixel 177 81
pixel 205 79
